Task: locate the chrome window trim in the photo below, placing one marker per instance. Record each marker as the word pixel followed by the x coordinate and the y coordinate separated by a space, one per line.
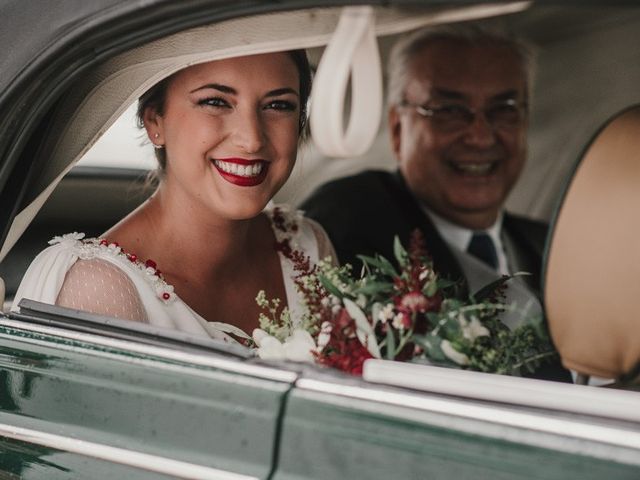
pixel 201 360
pixel 144 461
pixel 545 395
pixel 570 435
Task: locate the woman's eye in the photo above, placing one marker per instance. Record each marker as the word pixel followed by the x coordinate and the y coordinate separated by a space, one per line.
pixel 213 102
pixel 281 105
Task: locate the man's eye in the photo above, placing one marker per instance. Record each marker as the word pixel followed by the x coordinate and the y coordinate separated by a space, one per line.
pixel 504 112
pixel 452 110
pixel 281 105
pixel 213 102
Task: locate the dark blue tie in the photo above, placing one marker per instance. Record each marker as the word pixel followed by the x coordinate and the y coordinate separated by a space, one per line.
pixel 482 248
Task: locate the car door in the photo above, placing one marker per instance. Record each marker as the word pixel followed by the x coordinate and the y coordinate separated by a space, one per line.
pixel 83 399
pixel 414 421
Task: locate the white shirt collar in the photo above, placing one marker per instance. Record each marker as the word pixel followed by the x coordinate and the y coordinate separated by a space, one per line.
pixel 460 237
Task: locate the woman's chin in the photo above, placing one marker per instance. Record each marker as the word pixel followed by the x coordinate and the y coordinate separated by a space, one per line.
pixel 246 211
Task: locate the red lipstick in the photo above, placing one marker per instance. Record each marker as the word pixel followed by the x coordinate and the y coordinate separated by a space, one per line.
pixel 242 172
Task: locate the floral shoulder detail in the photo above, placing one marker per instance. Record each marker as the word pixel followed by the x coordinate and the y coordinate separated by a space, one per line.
pixel 90 248
pixel 286 226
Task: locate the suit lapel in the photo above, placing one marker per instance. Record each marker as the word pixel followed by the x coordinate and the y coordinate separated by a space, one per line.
pixel 444 261
pixel 522 252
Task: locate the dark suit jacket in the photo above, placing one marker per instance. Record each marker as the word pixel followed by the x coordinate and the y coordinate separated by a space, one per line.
pixel 363 213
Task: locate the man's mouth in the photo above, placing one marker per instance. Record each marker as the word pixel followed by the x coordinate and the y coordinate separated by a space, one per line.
pixel 242 172
pixel 474 169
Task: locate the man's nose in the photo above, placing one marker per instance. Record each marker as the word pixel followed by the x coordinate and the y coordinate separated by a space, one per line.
pixel 480 133
pixel 248 130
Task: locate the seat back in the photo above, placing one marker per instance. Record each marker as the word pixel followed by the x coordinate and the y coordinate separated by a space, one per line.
pixel 592 269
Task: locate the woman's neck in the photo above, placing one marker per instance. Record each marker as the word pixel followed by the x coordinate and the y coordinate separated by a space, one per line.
pixel 184 237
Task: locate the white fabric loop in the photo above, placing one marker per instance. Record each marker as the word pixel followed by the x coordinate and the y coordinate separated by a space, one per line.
pixel 353 49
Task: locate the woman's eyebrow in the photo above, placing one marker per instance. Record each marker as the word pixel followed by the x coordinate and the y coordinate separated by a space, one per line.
pixel 281 91
pixel 230 90
pixel 216 86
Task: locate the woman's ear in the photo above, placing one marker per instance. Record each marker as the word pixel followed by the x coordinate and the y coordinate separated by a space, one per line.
pixel 154 126
pixel 394 130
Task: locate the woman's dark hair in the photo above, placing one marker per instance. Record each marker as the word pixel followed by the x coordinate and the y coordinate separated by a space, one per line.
pixel 154 98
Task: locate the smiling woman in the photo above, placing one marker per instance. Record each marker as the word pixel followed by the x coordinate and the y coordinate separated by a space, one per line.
pixel 199 249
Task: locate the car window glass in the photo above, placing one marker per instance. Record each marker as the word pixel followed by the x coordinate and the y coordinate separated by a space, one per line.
pixel 124 145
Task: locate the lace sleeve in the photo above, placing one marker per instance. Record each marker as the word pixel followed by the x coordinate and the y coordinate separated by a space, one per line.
pixel 325 247
pixel 98 286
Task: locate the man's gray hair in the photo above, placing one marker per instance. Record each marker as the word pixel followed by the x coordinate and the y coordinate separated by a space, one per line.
pixel 404 50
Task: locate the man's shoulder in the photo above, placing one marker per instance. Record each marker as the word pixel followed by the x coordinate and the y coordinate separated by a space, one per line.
pixel 526 230
pixel 354 184
pixel 525 224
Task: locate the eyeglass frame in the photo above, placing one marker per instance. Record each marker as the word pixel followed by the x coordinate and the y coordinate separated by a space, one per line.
pixel 471 113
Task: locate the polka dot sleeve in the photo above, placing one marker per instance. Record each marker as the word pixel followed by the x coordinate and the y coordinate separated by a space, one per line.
pixel 99 287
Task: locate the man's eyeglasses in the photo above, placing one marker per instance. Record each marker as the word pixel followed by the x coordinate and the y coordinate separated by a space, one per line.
pixel 451 117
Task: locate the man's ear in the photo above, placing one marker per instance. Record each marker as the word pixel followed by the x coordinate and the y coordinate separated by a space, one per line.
pixel 394 130
pixel 154 125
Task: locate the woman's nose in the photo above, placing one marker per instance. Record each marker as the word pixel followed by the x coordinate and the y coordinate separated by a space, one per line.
pixel 248 131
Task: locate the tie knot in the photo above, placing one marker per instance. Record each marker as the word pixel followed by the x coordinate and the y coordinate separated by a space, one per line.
pixel 482 247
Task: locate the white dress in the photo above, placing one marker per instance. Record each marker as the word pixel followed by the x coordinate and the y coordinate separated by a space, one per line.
pixel 158 304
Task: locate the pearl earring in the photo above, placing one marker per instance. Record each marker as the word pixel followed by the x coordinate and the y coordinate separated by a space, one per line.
pixel 155 137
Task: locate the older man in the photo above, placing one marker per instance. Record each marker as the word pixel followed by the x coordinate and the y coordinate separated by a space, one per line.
pixel 458 122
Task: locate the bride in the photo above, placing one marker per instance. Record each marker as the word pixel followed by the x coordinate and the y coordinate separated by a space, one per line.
pixel 194 255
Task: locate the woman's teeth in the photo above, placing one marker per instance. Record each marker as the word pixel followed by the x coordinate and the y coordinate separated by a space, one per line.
pixel 240 170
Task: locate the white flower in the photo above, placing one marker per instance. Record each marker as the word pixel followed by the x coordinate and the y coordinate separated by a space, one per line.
pixel 325 335
pixel 269 348
pixel 258 335
pixel 424 274
pixel 297 347
pixel 66 238
pixel 452 354
pixel 361 301
pixel 398 321
pixel 386 313
pixel 474 329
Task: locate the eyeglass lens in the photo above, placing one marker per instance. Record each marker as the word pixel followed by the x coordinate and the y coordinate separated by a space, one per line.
pixel 457 116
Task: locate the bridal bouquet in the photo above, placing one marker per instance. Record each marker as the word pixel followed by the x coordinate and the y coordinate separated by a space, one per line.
pixel 408 314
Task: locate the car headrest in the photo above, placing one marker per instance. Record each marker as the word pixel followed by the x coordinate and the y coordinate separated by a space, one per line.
pixel 592 270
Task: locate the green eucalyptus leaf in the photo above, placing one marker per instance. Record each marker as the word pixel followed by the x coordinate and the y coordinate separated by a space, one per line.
pixel 399 252
pixel 391 343
pixel 431 346
pixel 445 283
pixel 430 288
pixel 373 288
pixel 364 330
pixel 330 287
pixel 382 264
pixel 485 292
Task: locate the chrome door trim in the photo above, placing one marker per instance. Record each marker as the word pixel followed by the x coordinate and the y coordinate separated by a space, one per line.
pixel 144 461
pixel 473 417
pixel 202 360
